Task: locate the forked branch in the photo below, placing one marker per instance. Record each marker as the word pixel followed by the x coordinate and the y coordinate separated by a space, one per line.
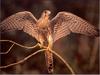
pixel 20 44
pixel 8 50
pixel 26 58
pixel 23 60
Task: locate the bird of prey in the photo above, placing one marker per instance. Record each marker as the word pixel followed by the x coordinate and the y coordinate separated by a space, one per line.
pixel 48 31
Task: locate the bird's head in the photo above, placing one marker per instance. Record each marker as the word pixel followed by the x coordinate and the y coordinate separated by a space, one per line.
pixel 46 13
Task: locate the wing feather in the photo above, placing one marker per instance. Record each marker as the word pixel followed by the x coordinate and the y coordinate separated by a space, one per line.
pixel 64 23
pixel 20 21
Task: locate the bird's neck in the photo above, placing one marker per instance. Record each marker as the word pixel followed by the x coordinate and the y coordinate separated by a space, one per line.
pixel 43 21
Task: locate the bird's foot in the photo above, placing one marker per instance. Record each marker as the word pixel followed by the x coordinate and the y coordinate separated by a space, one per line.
pixel 41 46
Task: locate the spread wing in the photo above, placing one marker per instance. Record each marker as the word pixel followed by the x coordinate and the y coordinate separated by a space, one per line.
pixel 64 23
pixel 20 21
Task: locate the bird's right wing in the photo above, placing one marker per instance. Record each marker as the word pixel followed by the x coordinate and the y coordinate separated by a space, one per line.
pixel 20 21
pixel 64 23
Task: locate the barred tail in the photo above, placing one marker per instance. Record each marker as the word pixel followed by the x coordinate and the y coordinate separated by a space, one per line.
pixel 49 61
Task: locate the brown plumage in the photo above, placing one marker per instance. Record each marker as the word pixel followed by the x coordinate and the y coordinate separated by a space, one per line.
pixel 48 31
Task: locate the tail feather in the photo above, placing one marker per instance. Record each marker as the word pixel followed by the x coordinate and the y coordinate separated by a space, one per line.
pixel 49 61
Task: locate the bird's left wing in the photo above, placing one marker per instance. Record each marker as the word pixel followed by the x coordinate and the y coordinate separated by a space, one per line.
pixel 64 23
pixel 24 21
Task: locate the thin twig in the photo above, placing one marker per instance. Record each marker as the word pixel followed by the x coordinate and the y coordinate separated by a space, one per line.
pixel 23 60
pixel 26 58
pixel 66 63
pixel 20 44
pixel 8 50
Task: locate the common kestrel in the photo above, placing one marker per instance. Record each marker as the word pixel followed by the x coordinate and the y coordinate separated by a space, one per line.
pixel 48 31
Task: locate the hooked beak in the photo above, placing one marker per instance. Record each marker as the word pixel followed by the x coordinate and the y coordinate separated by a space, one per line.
pixel 47 12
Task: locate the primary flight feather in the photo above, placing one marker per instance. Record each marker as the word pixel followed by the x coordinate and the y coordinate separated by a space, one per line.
pixel 48 31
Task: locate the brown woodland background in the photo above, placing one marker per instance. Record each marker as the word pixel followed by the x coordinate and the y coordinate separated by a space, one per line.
pixel 81 52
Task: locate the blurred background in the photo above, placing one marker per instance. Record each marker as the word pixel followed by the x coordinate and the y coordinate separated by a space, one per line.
pixel 81 52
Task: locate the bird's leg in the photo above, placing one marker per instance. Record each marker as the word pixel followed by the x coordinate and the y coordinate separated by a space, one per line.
pixel 42 46
pixel 41 42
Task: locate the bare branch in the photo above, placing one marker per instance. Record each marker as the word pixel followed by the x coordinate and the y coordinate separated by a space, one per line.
pixel 8 50
pixel 20 44
pixel 23 60
pixel 26 58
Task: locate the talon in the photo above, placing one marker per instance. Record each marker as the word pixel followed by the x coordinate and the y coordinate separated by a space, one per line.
pixel 40 45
